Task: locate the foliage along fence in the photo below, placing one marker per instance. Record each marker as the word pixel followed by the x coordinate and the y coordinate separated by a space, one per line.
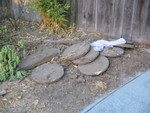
pixel 129 19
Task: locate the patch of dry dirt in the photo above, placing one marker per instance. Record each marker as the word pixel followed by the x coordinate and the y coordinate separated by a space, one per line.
pixel 75 90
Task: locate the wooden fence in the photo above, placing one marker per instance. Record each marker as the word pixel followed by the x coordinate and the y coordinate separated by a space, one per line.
pixel 129 19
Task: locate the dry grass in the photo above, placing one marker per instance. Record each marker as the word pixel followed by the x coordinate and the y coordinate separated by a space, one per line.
pixel 100 85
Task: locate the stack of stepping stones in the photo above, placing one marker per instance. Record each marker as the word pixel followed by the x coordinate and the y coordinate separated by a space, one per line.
pixel 89 61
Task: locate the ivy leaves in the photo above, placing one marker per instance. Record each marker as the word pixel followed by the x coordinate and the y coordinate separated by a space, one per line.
pixel 9 61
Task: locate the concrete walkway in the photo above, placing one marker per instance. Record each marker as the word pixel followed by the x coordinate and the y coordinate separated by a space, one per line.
pixel 133 97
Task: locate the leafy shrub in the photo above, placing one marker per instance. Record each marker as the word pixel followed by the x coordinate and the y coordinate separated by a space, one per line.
pixel 21 45
pixel 9 61
pixel 54 13
pixel 9 56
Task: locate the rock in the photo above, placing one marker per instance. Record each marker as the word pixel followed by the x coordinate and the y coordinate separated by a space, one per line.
pixel 76 51
pixel 89 57
pixel 112 52
pixel 73 76
pixel 38 58
pixel 47 73
pixel 101 85
pixel 42 105
pixel 3 92
pixel 96 67
pixel 81 79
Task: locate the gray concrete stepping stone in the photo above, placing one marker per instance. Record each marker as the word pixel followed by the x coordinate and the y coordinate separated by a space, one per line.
pixel 76 51
pixel 96 67
pixel 89 57
pixel 112 52
pixel 47 73
pixel 38 58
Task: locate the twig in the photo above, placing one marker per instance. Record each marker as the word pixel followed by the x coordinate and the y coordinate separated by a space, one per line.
pixel 24 77
pixel 65 42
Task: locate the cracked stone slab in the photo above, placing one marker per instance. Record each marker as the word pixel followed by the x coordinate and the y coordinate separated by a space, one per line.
pixel 112 52
pixel 47 73
pixel 38 58
pixel 76 51
pixel 89 57
pixel 96 67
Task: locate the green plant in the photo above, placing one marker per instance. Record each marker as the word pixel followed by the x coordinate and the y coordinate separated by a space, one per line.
pixel 54 13
pixel 4 39
pixel 2 30
pixel 21 45
pixel 9 61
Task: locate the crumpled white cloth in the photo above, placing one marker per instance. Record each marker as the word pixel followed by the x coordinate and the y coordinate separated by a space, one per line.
pixel 100 44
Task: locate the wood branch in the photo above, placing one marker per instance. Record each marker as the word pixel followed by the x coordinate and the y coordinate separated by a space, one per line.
pixel 8 43
pixel 70 42
pixel 64 42
pixel 129 46
pixel 24 77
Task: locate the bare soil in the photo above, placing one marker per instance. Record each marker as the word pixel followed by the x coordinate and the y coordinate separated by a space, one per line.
pixel 75 90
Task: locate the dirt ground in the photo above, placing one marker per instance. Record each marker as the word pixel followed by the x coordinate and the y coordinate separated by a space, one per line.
pixel 75 90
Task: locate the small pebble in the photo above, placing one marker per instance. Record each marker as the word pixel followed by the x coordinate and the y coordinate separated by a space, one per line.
pixel 3 92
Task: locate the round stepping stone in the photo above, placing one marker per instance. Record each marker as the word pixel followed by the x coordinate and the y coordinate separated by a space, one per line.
pixel 96 67
pixel 47 73
pixel 89 57
pixel 38 58
pixel 76 51
pixel 112 52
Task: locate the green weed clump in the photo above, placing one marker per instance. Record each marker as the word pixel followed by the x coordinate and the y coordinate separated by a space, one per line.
pixel 54 13
pixel 9 60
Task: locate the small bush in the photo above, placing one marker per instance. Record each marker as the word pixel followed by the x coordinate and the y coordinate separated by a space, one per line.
pixel 9 61
pixel 54 13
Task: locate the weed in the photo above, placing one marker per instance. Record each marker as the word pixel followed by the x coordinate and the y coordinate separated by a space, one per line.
pixel 53 12
pixel 9 61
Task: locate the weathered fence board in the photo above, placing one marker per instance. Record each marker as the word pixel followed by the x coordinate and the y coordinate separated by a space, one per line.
pixel 127 19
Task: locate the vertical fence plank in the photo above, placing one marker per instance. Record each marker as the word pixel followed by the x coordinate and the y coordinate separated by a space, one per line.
pixel 133 18
pixel 147 29
pixel 107 26
pixel 144 15
pixel 127 19
pixel 82 14
pixel 141 30
pixel 104 16
pixel 90 15
pixel 136 27
pixel 100 15
pixel 117 21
